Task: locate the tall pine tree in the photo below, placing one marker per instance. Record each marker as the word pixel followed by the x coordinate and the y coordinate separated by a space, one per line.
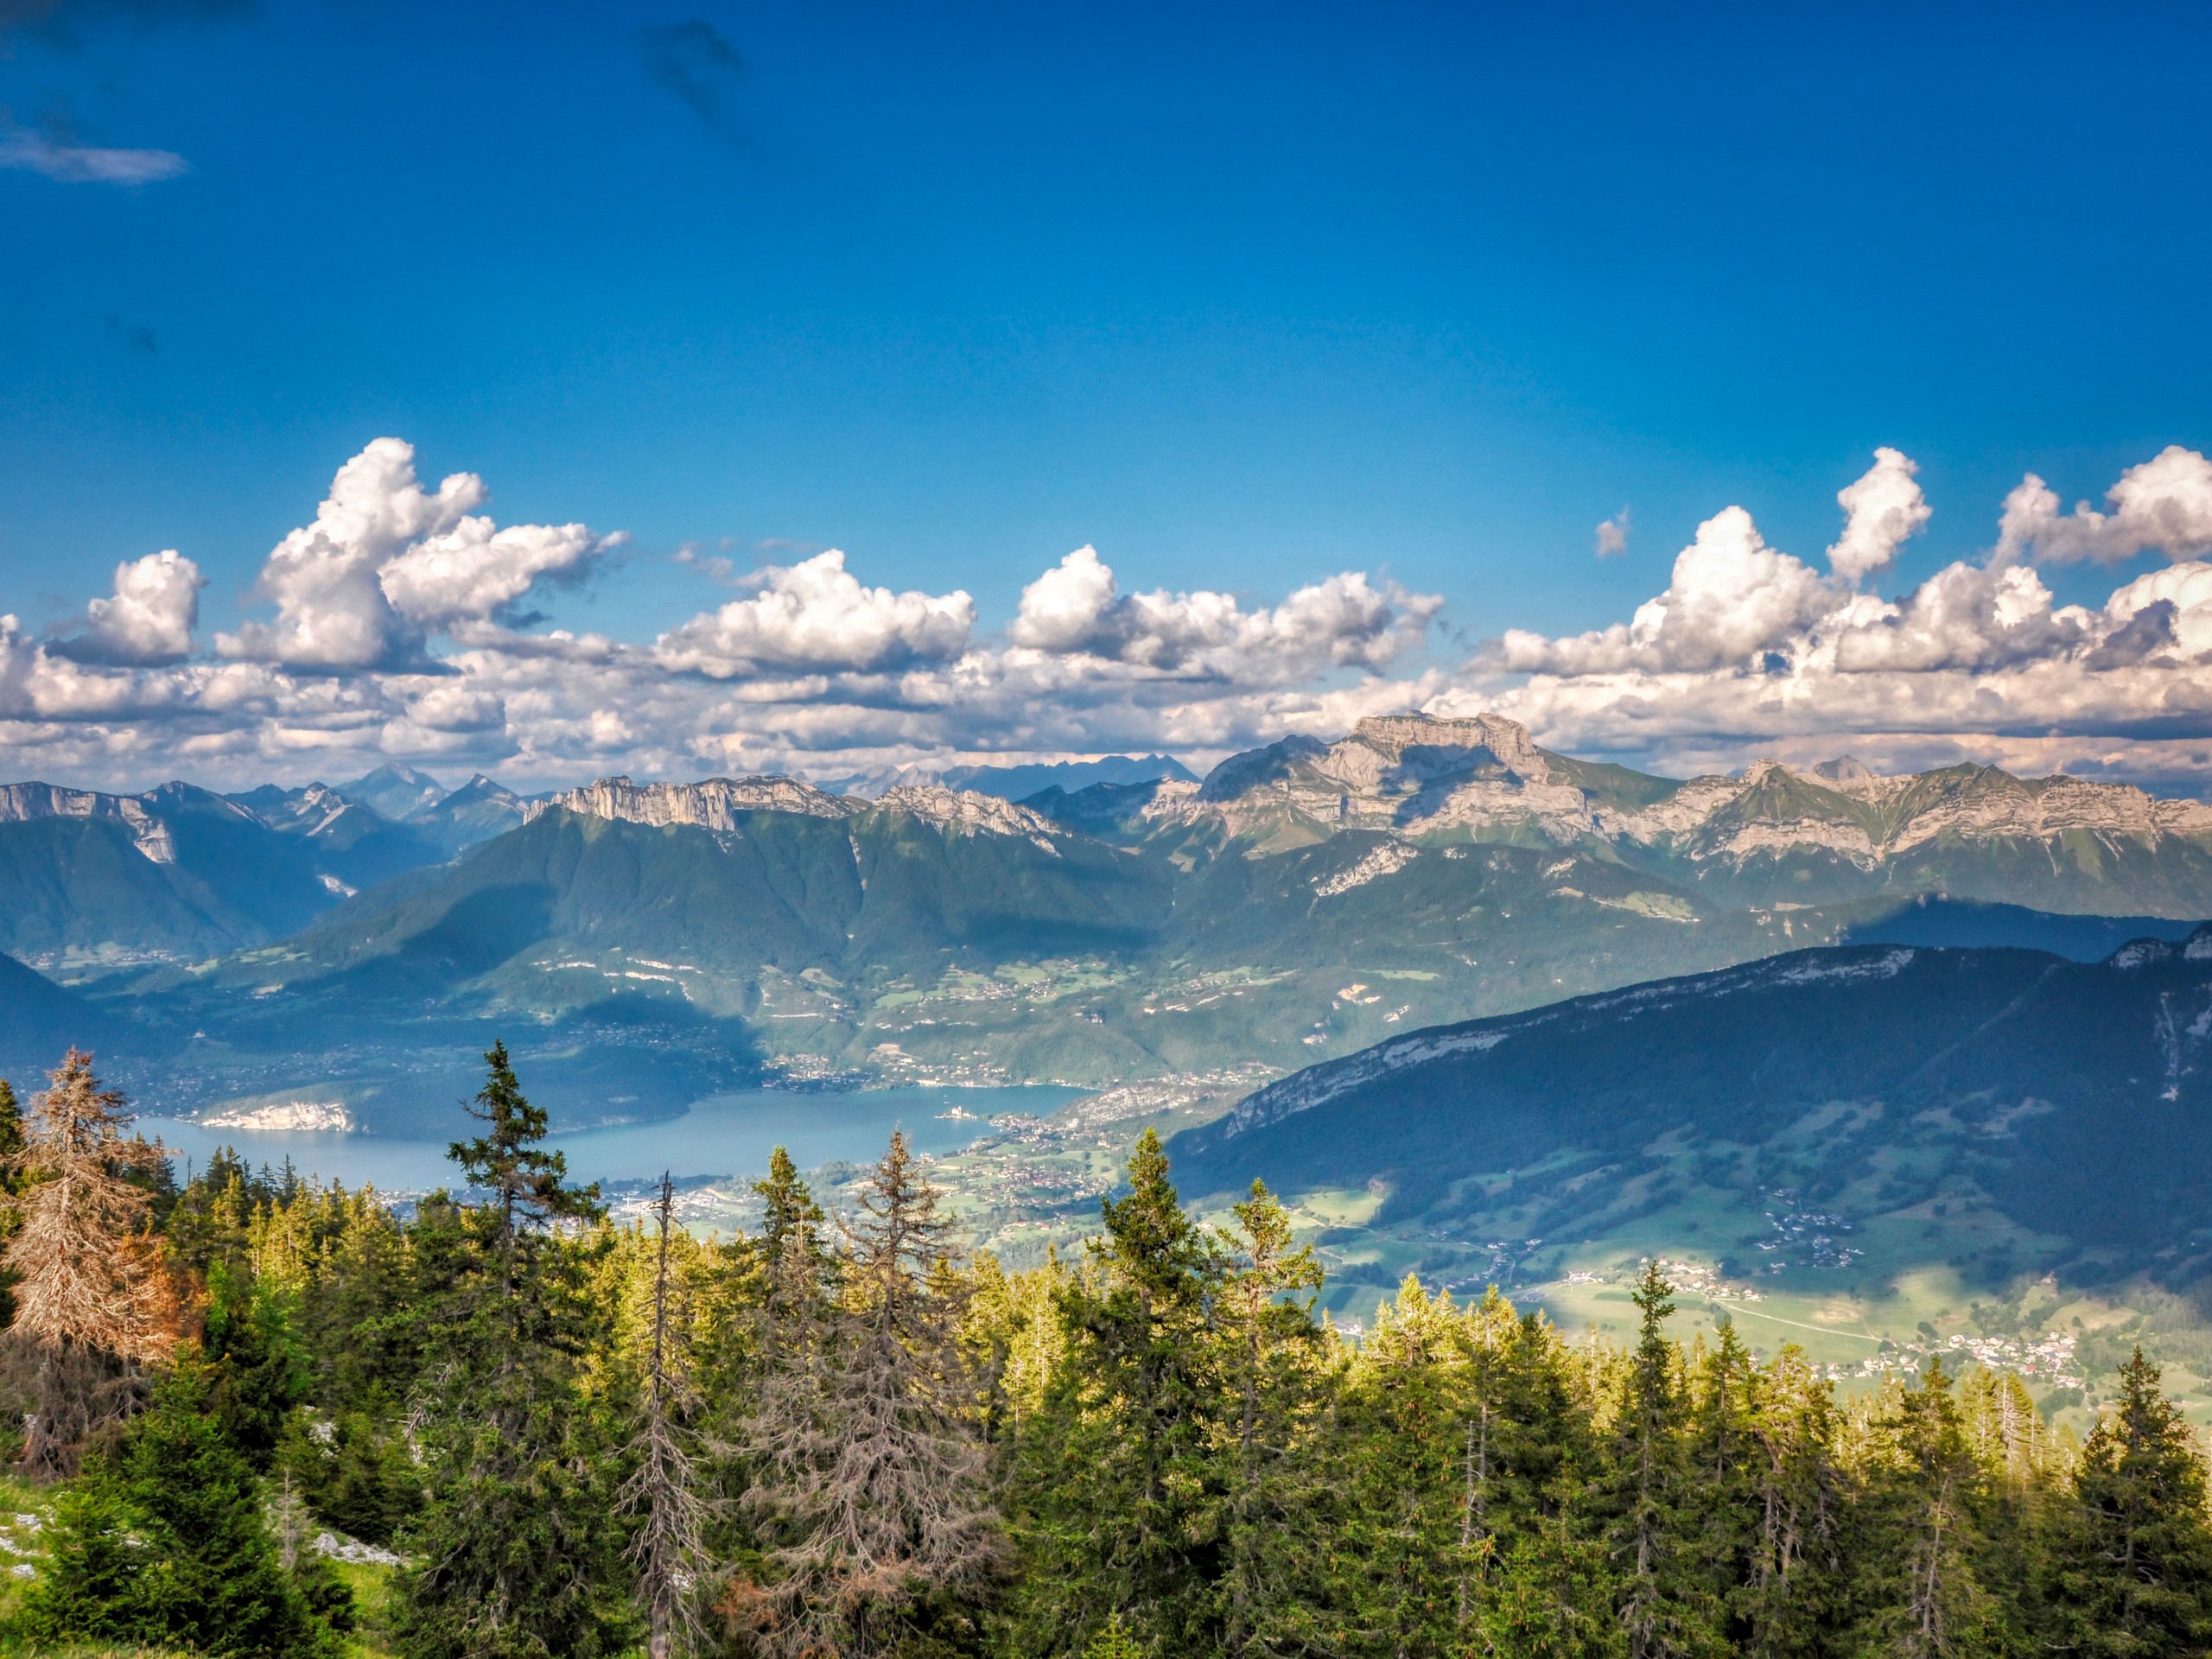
pixel 1665 1605
pixel 2131 1563
pixel 1276 1366
pixel 516 1552
pixel 1118 1493
pixel 665 1493
pixel 870 1440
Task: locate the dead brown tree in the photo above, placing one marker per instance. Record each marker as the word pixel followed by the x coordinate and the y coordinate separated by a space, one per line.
pixel 869 1452
pixel 669 1548
pixel 93 1303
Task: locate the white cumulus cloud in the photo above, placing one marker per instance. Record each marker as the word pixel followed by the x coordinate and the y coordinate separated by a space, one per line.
pixel 475 571
pixel 2165 503
pixel 400 629
pixel 1732 597
pixel 387 562
pixel 1078 608
pixel 816 615
pixel 1885 509
pixel 150 617
pixel 1749 652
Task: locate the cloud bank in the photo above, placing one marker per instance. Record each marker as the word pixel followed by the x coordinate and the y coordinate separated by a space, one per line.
pixel 398 624
pixel 1753 651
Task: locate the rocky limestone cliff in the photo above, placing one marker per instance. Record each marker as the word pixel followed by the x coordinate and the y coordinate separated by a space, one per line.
pixel 966 812
pixel 1420 779
pixel 712 803
pixel 21 803
pixel 715 804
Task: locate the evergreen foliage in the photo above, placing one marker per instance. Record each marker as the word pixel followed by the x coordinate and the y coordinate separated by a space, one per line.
pixel 11 1147
pixel 841 1437
pixel 665 1491
pixel 162 1543
pixel 1118 1494
pixel 867 1438
pixel 2131 1564
pixel 513 1552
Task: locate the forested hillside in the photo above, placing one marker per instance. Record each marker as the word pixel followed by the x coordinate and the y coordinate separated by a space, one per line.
pixel 843 1434
pixel 2071 1095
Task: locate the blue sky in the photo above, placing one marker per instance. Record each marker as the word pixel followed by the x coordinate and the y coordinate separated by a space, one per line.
pixel 1242 295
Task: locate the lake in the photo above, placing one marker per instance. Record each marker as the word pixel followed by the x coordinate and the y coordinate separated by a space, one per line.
pixel 725 1134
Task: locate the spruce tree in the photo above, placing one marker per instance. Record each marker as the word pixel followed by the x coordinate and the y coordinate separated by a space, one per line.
pixel 516 1551
pixel 1793 1506
pixel 798 1272
pixel 1274 1364
pixel 1915 1532
pixel 1412 1522
pixel 1550 1597
pixel 2131 1563
pixel 162 1544
pixel 1722 1453
pixel 528 1197
pixel 261 1370
pixel 1118 1493
pixel 1665 1605
pixel 11 1126
pixel 11 1147
pixel 665 1494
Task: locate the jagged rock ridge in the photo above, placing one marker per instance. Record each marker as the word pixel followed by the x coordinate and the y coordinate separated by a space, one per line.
pixel 711 803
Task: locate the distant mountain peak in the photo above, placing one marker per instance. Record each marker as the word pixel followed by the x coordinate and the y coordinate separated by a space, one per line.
pixel 394 791
pixel 1481 776
pixel 1406 774
pixel 1012 781
pixel 712 803
pixel 1507 740
pixel 1845 768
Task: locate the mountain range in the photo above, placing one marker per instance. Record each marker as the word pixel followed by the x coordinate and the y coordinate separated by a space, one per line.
pixel 89 879
pixel 1303 900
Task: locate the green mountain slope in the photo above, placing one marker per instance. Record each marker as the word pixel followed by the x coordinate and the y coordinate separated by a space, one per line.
pixel 1306 901
pixel 176 872
pixel 2064 1105
pixel 40 1022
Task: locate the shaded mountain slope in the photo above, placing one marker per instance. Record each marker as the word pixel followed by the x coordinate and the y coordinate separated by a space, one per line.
pixel 2077 1096
pixel 777 891
pixel 177 871
pixel 40 1021
pixel 397 793
pixel 572 907
pixel 477 811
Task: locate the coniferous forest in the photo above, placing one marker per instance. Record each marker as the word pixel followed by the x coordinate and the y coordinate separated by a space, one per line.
pixel 846 1435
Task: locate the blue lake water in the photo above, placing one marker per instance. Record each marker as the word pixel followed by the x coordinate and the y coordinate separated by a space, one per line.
pixel 725 1134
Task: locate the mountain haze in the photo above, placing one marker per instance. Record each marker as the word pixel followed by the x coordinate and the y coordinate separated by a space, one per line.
pixel 89 879
pixel 1303 900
